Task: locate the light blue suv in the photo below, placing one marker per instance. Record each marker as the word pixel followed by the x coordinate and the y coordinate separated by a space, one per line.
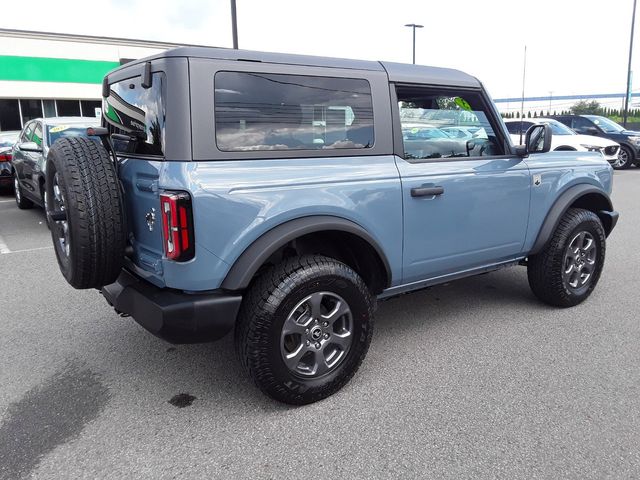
pixel 280 196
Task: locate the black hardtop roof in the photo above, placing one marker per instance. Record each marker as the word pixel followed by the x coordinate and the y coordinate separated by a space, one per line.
pixel 397 72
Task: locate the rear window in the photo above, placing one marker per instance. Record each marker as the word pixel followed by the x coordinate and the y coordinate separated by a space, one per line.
pixel 139 113
pixel 260 111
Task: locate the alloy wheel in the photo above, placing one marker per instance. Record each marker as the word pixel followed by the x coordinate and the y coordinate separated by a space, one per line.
pixel 579 261
pixel 317 334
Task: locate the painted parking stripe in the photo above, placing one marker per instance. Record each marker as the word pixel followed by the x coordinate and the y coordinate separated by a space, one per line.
pixel 25 250
pixel 7 201
pixel 3 246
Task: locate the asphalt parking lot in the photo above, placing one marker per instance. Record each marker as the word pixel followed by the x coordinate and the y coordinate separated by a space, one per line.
pixel 474 379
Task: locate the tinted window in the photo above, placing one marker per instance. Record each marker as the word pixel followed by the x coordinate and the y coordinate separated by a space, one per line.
pixel 580 124
pixel 30 109
pixel 426 110
pixel 68 108
pixel 514 127
pixel 37 134
pixel 26 134
pixel 139 113
pixel 258 111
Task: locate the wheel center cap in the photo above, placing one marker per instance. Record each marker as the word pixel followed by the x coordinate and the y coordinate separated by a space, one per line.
pixel 316 333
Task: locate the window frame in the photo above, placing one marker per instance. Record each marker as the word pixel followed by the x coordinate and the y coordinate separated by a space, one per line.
pixel 203 109
pixel 495 121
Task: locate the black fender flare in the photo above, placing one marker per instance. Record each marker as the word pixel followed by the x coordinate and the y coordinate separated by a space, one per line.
pixel 560 207
pixel 254 256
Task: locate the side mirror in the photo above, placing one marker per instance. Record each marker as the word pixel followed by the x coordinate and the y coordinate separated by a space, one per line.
pixel 30 147
pixel 538 138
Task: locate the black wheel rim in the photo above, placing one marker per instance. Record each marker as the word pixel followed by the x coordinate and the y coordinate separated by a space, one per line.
pixel 56 211
pixel 579 262
pixel 317 335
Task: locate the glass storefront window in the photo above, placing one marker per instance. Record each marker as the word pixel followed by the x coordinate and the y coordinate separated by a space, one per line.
pixel 30 109
pixel 68 108
pixel 49 108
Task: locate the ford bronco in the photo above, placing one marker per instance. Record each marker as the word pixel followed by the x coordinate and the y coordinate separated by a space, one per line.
pixel 281 196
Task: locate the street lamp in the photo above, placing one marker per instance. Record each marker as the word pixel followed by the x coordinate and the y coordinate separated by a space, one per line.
pixel 414 26
pixel 234 24
pixel 626 98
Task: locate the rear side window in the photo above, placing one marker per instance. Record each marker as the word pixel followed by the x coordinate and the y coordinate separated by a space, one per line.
pixel 260 111
pixel 139 113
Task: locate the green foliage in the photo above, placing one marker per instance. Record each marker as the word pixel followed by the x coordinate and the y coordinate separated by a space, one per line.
pixel 586 108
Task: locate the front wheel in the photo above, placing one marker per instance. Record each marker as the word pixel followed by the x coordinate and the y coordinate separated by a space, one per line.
pixel 22 202
pixel 625 158
pixel 567 270
pixel 304 328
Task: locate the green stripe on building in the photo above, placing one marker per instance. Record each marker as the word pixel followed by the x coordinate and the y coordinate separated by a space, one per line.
pixel 36 69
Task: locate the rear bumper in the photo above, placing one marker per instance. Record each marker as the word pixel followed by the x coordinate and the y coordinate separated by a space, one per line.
pixel 173 315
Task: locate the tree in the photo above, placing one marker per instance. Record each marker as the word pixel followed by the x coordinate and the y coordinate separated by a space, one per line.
pixel 585 108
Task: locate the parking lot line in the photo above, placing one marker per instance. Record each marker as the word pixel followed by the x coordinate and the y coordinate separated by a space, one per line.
pixel 3 246
pixel 7 201
pixel 22 251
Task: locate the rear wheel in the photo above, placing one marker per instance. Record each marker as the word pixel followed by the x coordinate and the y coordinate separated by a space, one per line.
pixel 22 202
pixel 84 212
pixel 625 158
pixel 567 270
pixel 304 328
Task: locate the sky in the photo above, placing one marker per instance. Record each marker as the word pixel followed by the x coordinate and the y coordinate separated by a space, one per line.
pixel 574 46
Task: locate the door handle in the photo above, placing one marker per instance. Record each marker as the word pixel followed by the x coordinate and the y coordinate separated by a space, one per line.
pixel 426 191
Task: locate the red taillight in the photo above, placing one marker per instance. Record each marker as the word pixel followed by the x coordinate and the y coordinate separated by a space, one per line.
pixel 5 157
pixel 177 226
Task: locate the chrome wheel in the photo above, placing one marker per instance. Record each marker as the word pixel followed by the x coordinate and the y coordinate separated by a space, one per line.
pixel 579 261
pixel 61 225
pixel 16 189
pixel 622 160
pixel 317 334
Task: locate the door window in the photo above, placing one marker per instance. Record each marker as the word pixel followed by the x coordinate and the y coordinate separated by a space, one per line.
pixel 426 118
pixel 37 134
pixel 26 134
pixel 580 124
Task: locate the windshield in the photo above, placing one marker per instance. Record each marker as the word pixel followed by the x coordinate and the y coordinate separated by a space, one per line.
pixel 558 128
pixel 54 132
pixel 609 126
pixel 8 139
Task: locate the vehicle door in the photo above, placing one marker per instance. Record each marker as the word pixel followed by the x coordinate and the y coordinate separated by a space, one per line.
pixel 21 157
pixel 34 161
pixel 466 201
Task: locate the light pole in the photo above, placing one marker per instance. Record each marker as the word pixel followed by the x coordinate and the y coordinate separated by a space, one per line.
pixel 234 24
pixel 550 97
pixel 414 26
pixel 626 98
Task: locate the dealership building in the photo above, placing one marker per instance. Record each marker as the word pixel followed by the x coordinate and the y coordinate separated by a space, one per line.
pixel 52 74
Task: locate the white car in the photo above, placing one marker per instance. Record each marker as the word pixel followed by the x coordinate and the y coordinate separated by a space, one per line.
pixel 564 138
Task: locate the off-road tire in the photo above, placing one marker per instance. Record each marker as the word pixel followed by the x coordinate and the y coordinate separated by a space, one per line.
pixel 22 202
pixel 94 211
pixel 545 269
pixel 265 308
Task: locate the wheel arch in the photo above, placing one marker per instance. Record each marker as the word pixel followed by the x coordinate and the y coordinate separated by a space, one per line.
pixel 584 196
pixel 331 235
pixel 564 148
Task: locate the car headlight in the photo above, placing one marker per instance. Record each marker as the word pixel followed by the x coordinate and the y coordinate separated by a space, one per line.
pixel 592 148
pixel 635 140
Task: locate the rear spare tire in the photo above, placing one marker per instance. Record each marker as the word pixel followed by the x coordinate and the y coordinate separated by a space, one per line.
pixel 85 212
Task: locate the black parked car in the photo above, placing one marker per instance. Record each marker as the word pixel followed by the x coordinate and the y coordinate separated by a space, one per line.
pixel 7 139
pixel 30 154
pixel 602 126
